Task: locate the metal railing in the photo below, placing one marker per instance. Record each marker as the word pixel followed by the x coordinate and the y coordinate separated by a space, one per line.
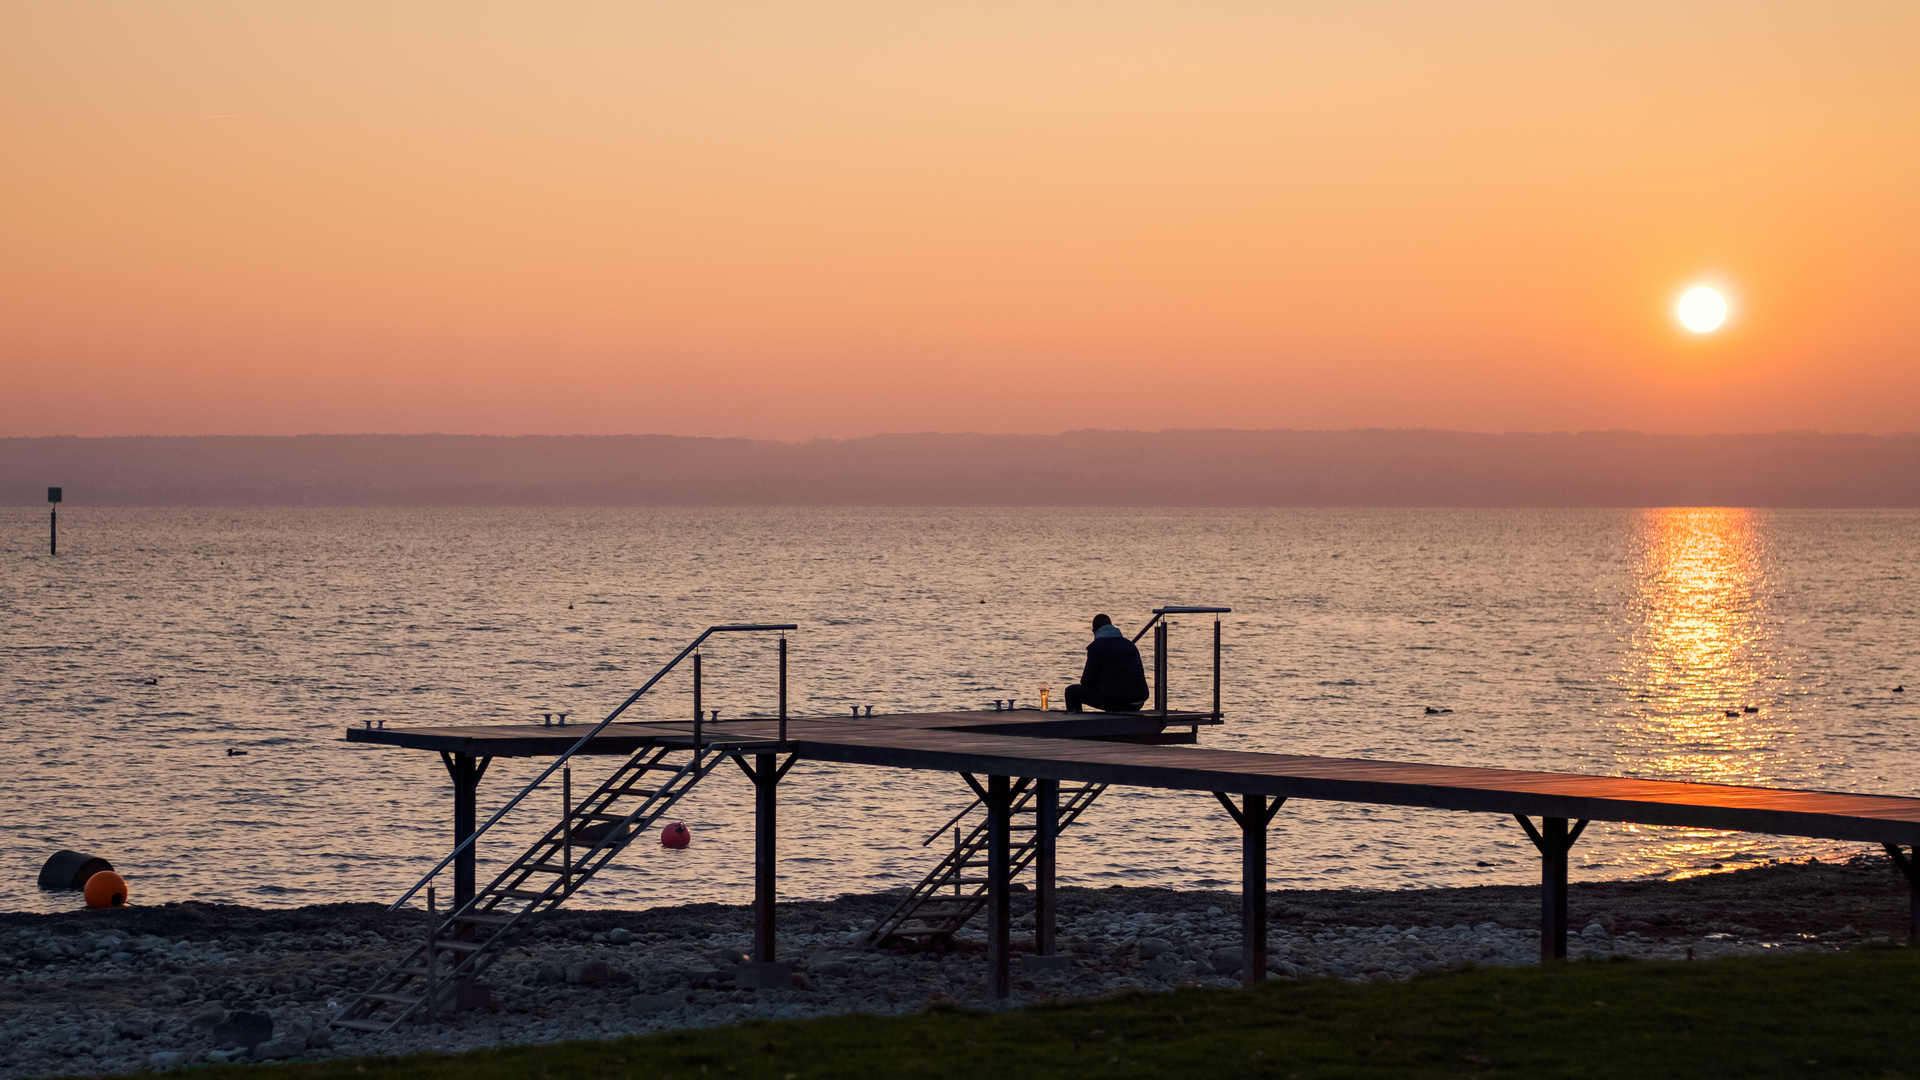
pixel 1160 651
pixel 581 744
pixel 1159 682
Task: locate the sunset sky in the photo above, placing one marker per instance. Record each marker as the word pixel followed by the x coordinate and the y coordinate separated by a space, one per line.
pixel 836 218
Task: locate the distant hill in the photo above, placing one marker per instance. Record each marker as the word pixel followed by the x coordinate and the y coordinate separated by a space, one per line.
pixel 1080 468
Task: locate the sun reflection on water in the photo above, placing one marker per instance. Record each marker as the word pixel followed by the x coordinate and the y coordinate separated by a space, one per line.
pixel 1702 671
pixel 1697 655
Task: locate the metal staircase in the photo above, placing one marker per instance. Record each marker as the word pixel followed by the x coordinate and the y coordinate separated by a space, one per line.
pixel 956 890
pixel 467 942
pixel 457 949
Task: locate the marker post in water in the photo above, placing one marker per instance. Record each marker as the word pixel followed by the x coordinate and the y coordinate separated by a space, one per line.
pixel 53 521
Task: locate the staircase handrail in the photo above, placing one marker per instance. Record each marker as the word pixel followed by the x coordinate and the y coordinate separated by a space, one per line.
pixel 951 822
pixel 1179 609
pixel 580 745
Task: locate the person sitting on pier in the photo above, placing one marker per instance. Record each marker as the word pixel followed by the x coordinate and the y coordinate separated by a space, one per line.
pixel 1114 680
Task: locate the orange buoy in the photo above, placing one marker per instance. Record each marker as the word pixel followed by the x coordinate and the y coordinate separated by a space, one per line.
pixel 106 889
pixel 675 836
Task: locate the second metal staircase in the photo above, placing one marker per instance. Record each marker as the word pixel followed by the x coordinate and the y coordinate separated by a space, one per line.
pixel 956 890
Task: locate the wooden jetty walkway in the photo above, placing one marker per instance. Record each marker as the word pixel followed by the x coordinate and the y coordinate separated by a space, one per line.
pixel 1016 762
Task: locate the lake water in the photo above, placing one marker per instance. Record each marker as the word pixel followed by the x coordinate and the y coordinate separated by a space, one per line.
pixel 1591 641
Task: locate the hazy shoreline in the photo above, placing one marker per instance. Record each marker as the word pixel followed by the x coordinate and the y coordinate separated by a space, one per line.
pixel 1084 469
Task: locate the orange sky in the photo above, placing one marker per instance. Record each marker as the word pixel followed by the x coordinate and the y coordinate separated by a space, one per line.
pixel 838 218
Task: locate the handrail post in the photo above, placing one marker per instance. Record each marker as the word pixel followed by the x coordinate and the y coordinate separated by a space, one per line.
pixel 566 830
pixel 1216 667
pixel 783 688
pixel 696 701
pixel 1160 668
pixel 432 986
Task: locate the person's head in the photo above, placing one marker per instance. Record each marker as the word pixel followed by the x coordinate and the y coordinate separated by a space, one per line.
pixel 1100 621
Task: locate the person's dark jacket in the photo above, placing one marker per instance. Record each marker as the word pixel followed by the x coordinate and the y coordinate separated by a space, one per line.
pixel 1113 672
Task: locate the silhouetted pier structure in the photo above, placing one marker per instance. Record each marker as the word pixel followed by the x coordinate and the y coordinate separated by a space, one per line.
pixel 1016 762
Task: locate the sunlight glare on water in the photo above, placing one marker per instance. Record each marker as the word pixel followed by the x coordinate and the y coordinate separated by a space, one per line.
pixel 1708 674
pixel 1703 649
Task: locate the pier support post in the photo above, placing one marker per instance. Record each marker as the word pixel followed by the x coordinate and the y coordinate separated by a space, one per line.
pixel 1909 866
pixel 765 774
pixel 1253 815
pixel 1553 839
pixel 999 896
pixel 765 837
pixel 1046 826
pixel 465 770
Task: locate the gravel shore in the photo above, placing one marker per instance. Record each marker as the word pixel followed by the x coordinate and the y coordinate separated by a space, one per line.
pixel 92 992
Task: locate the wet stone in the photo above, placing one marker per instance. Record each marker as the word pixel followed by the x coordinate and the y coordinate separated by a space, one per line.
pixel 243 1029
pixel 279 1049
pixel 589 973
pixel 649 1004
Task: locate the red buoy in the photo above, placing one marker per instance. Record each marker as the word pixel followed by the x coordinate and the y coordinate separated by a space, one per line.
pixel 106 889
pixel 675 836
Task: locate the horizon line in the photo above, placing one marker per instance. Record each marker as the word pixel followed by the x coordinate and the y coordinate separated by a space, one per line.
pixel 986 434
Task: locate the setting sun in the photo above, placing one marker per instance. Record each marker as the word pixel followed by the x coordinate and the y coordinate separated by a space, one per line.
pixel 1702 310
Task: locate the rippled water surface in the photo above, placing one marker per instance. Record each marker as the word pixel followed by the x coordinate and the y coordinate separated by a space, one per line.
pixel 1587 641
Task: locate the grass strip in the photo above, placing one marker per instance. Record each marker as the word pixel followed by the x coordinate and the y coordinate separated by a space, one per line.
pixel 1850 1014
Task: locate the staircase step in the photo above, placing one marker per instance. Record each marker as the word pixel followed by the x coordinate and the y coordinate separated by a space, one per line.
pixel 392 999
pixel 520 894
pixel 420 971
pixel 364 1025
pixel 485 920
pixel 637 793
pixel 459 946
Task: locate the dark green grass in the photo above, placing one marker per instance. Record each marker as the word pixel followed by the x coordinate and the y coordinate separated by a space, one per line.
pixel 1853 1014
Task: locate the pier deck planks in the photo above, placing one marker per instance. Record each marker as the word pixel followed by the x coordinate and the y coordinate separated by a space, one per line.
pixel 1054 746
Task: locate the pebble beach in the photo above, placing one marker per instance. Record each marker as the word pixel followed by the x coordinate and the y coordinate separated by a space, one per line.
pixel 184 984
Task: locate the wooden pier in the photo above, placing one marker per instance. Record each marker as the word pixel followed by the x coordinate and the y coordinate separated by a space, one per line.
pixel 1017 761
pixel 993 750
